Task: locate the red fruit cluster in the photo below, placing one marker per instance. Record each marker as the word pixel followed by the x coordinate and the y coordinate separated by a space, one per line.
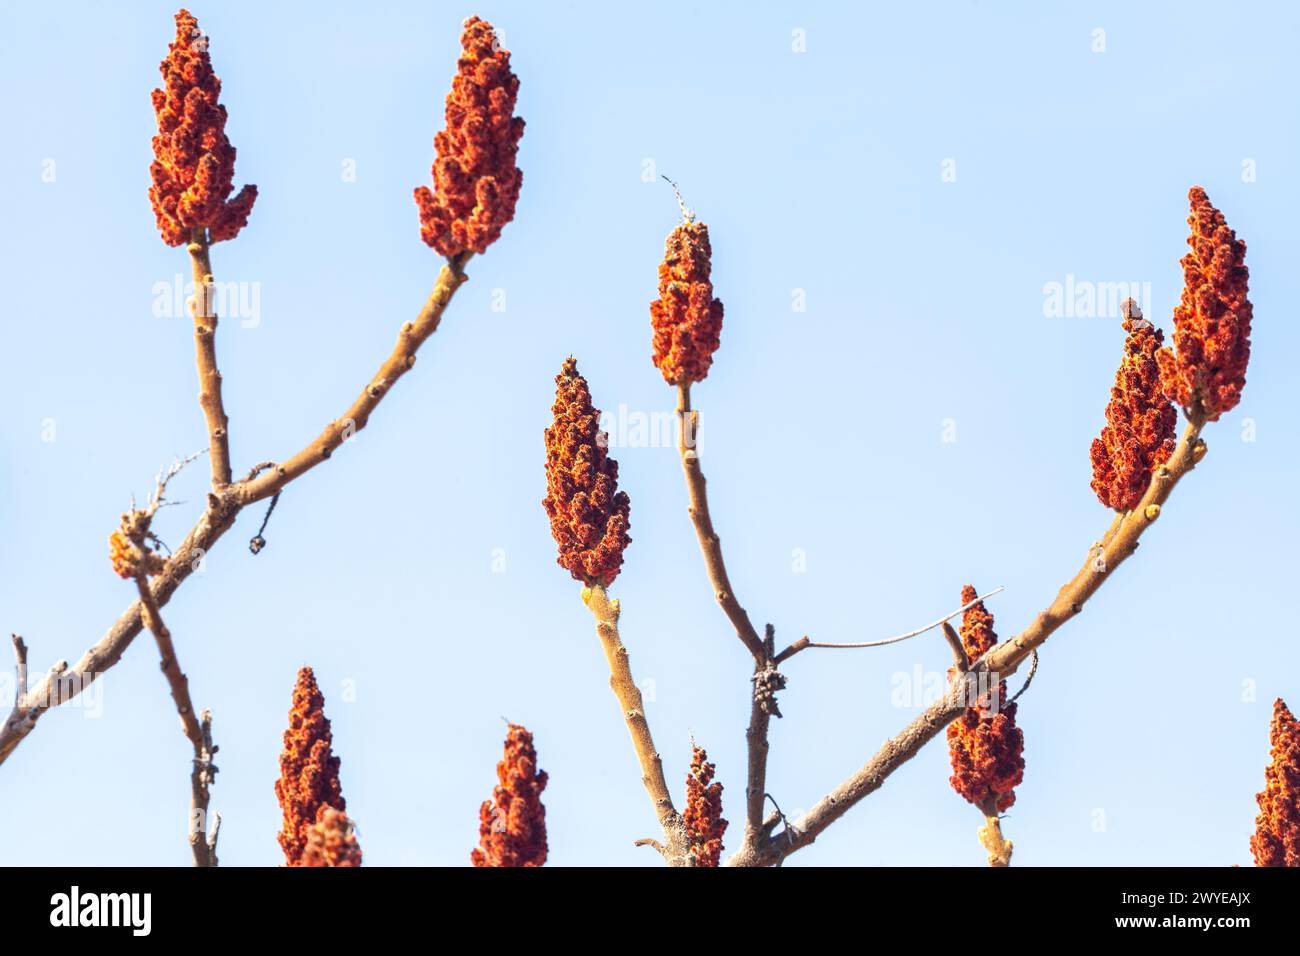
pixel 703 814
pixel 589 516
pixel 331 841
pixel 309 771
pixel 1276 841
pixel 686 318
pixel 1207 372
pixel 476 182
pixel 1140 421
pixel 985 745
pixel 512 826
pixel 194 165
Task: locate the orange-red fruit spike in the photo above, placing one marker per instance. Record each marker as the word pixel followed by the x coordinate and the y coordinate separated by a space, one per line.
pixel 309 771
pixel 1139 433
pixel 686 318
pixel 475 179
pixel 512 826
pixel 986 747
pixel 703 814
pixel 1276 841
pixel 331 841
pixel 589 516
pixel 194 164
pixel 1206 370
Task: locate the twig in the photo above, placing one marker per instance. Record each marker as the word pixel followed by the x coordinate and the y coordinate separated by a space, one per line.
pixel 258 542
pixel 20 666
pixel 199 734
pixel 205 350
pixel 710 543
pixel 176 679
pixel 202 843
pixel 991 838
pixel 22 717
pixel 762 706
pixel 398 363
pixel 625 689
pixel 223 507
pixel 804 642
pixel 687 214
pixel 1033 669
pixel 999 662
pixel 959 658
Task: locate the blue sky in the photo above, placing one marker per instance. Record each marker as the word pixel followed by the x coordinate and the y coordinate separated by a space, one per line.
pixel 415 571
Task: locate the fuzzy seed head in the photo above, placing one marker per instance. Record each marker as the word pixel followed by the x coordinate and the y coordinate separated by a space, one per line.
pixel 589 516
pixel 1276 841
pixel 475 179
pixel 703 814
pixel 512 825
pixel 1139 433
pixel 686 318
pixel 309 771
pixel 331 841
pixel 986 746
pixel 194 164
pixel 1206 370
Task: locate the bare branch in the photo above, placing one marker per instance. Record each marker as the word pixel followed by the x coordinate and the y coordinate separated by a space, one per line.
pixel 222 508
pixel 199 731
pixel 710 543
pixel 205 351
pixel 999 662
pixel 625 689
pixel 203 844
pixel 398 363
pixel 767 680
pixel 176 679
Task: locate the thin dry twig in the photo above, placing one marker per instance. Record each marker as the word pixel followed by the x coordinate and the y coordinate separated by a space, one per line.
pixel 1033 669
pixel 804 642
